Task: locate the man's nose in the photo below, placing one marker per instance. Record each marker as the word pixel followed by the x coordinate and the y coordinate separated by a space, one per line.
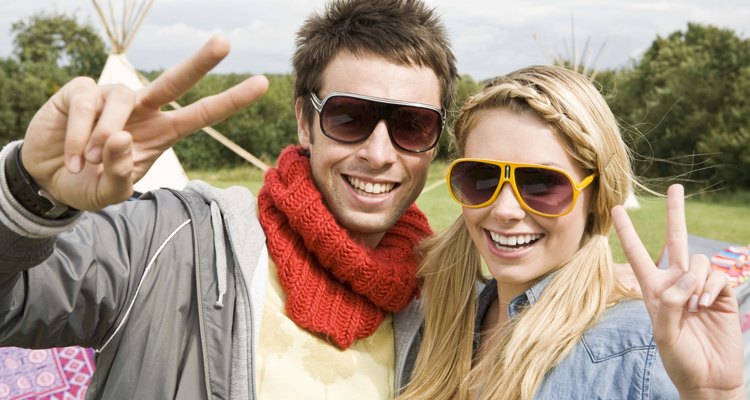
pixel 377 149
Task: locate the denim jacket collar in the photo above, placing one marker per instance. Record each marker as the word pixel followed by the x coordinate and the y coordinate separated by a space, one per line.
pixel 530 296
pixel 489 294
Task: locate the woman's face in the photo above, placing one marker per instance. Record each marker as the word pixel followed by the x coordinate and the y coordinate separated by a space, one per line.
pixel 546 242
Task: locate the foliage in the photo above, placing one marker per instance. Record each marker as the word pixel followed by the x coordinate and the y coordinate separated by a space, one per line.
pixel 684 109
pixel 59 39
pixel 264 128
pixel 23 89
pixel 730 137
pixel 49 50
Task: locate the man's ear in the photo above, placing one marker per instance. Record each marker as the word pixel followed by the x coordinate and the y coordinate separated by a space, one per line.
pixel 303 125
pixel 435 150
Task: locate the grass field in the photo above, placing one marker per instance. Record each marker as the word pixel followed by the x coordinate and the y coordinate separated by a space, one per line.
pixel 724 217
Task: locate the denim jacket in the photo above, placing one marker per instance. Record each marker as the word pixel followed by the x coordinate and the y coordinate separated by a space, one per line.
pixel 616 358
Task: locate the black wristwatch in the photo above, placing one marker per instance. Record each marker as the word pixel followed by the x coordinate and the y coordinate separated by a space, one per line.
pixel 28 194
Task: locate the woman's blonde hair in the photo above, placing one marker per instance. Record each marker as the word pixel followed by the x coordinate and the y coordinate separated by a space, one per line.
pixel 525 349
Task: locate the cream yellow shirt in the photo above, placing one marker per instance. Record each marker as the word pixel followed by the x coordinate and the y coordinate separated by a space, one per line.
pixel 296 364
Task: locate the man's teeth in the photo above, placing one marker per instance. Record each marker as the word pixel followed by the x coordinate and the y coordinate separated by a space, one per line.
pixel 369 187
pixel 518 240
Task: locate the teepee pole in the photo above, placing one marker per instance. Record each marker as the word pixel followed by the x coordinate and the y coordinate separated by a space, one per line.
pixel 141 15
pixel 126 15
pixel 234 147
pixel 110 33
pixel 113 23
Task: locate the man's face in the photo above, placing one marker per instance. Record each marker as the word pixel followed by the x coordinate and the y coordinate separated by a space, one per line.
pixel 370 184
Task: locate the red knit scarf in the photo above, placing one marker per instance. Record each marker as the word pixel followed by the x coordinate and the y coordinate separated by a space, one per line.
pixel 335 286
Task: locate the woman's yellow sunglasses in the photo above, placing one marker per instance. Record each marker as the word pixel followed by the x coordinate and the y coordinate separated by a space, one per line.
pixel 540 189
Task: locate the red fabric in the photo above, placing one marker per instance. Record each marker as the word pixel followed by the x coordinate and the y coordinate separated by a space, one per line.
pixel 48 374
pixel 335 286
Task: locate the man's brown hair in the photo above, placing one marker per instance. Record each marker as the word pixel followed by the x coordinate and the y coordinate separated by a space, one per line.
pixel 404 32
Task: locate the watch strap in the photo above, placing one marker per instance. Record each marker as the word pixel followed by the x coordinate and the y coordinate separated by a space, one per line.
pixel 23 188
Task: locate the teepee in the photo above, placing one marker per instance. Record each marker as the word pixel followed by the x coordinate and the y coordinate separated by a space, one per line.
pixel 121 27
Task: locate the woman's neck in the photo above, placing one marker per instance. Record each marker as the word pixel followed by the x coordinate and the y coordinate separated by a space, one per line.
pixel 497 313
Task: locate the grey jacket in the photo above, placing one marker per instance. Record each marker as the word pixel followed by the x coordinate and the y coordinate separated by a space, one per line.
pixel 165 289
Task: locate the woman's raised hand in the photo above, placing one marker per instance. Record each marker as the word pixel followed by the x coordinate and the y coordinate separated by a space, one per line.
pixel 693 309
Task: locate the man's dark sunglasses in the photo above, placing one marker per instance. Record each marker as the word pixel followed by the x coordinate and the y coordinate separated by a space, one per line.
pixel 351 118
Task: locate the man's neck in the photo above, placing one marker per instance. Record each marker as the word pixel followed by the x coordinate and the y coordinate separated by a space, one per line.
pixel 370 241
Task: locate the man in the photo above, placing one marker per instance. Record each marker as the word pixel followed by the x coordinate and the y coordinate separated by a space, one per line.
pixel 205 293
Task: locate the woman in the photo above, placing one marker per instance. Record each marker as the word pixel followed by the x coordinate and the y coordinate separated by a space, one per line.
pixel 542 171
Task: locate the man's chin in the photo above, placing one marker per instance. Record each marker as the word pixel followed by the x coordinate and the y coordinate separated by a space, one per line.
pixel 367 225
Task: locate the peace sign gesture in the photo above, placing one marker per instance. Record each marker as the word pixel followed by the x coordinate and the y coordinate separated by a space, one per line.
pixel 88 144
pixel 693 309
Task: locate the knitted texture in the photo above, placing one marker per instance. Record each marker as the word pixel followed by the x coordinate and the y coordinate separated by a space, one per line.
pixel 335 287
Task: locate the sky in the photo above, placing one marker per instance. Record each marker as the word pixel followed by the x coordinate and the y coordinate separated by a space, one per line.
pixel 489 37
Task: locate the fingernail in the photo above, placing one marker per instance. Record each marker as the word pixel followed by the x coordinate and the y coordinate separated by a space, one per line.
pixel 693 303
pixel 74 164
pixel 705 300
pixel 94 154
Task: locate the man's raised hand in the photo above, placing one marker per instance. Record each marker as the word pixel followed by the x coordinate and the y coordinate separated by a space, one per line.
pixel 88 144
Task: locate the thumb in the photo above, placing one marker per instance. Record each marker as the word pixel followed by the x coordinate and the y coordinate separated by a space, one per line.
pixel 117 178
pixel 671 308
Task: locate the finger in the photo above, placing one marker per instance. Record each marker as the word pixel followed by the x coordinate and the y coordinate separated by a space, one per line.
pixel 116 184
pixel 716 283
pixel 179 79
pixel 213 109
pixel 677 228
pixel 668 319
pixel 636 253
pixel 118 102
pixel 700 267
pixel 79 100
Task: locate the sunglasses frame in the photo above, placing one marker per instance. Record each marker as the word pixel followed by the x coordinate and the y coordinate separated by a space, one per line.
pixel 509 168
pixel 318 104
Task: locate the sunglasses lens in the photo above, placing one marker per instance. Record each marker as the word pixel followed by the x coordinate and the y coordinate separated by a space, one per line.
pixel 414 128
pixel 348 119
pixel 473 183
pixel 543 190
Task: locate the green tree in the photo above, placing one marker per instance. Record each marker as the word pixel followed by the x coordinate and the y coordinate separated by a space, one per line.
pixel 730 137
pixel 23 89
pixel 264 128
pixel 59 39
pixel 676 103
pixel 48 51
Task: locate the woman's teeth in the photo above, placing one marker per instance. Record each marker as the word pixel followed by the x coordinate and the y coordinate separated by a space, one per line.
pixel 513 242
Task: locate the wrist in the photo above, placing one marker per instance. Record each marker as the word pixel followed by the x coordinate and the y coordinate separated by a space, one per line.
pixel 28 194
pixel 715 394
